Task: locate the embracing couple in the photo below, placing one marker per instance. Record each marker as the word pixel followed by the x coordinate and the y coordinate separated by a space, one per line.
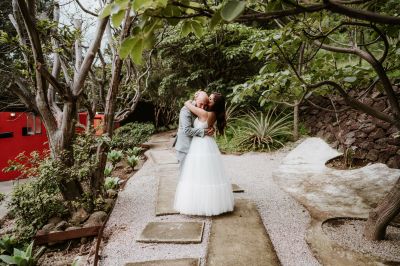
pixel 203 188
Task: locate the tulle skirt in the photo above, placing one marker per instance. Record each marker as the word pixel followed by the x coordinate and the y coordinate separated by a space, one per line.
pixel 203 188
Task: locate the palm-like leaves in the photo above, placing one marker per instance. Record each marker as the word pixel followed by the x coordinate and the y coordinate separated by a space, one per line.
pixel 259 131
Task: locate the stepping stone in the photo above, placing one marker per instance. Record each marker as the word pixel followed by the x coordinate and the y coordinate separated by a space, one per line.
pixel 237 189
pixel 172 232
pixel 163 157
pixel 176 262
pixel 240 238
pixel 167 183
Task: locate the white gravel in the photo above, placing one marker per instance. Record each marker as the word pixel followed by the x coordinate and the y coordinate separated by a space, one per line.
pixel 286 220
pixel 349 234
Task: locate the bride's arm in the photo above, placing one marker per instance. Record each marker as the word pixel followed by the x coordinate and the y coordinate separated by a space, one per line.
pixel 200 113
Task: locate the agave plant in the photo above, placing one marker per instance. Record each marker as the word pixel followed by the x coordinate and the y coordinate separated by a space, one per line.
pixel 114 157
pixel 111 182
pixel 23 257
pixel 260 131
pixel 133 161
pixel 133 151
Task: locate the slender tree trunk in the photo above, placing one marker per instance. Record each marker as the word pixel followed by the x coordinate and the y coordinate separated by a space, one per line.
pixel 383 214
pixel 97 179
pixel 296 121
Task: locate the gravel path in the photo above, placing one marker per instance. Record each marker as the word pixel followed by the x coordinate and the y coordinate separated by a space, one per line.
pixel 284 218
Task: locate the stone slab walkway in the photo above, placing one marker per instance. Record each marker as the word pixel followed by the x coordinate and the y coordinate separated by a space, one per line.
pixel 172 232
pixel 239 238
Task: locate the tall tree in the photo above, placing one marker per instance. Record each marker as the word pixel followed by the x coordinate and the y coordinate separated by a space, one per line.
pixel 39 82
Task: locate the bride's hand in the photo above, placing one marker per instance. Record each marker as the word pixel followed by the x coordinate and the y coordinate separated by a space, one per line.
pixel 189 102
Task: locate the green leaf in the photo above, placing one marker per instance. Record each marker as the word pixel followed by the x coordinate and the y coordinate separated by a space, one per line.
pixel 106 11
pixel 186 28
pixel 148 41
pixel 162 3
pixel 215 20
pixel 126 47
pixel 29 250
pixel 232 9
pixel 8 259
pixel 137 4
pixel 197 29
pixel 117 19
pixel 136 52
pixel 350 79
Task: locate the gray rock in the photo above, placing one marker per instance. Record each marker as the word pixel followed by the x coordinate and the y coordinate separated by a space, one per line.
pixel 95 219
pixel 79 216
pixel 108 203
pixel 72 228
pixel 377 134
pixel 372 155
pixel 54 220
pixel 48 227
pixel 394 162
pixel 41 232
pixel 111 193
pixel 61 225
pixel 368 129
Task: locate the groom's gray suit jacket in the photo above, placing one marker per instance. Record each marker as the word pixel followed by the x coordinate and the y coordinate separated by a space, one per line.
pixel 186 131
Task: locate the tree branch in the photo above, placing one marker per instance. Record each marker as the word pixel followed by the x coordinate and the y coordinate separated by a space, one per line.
pixel 88 60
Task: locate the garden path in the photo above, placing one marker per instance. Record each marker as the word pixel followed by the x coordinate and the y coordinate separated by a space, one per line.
pixel 277 218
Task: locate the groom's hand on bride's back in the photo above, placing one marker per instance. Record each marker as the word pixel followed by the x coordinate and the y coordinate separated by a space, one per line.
pixel 210 131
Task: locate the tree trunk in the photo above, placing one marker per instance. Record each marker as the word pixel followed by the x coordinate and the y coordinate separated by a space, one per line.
pixel 296 121
pixel 383 214
pixel 60 142
pixel 97 179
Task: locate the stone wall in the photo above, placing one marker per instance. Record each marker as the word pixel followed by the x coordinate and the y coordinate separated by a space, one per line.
pixel 370 138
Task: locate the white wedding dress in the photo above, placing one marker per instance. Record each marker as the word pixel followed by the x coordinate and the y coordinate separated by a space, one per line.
pixel 203 188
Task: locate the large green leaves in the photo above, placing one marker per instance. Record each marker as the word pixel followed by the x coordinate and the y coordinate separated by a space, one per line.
pixel 232 9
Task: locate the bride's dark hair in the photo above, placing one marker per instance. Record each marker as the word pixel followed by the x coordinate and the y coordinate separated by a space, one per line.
pixel 219 109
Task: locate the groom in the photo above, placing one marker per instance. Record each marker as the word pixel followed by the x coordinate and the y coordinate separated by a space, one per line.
pixel 186 131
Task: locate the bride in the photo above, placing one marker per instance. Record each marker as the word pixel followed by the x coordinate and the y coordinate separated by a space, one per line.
pixel 204 188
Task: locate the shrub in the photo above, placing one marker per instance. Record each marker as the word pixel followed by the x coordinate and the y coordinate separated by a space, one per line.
pixel 133 161
pixel 2 197
pixel 23 257
pixel 133 151
pixel 131 135
pixel 114 157
pixel 111 182
pixel 37 200
pixel 259 131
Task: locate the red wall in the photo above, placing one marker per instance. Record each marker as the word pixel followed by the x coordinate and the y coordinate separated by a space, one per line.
pixel 11 147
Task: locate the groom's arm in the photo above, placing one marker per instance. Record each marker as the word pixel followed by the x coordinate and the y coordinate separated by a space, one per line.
pixel 186 121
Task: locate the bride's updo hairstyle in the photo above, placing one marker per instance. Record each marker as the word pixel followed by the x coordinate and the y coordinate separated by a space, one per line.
pixel 219 109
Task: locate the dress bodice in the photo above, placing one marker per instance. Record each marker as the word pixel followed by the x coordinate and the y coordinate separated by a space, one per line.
pixel 199 124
